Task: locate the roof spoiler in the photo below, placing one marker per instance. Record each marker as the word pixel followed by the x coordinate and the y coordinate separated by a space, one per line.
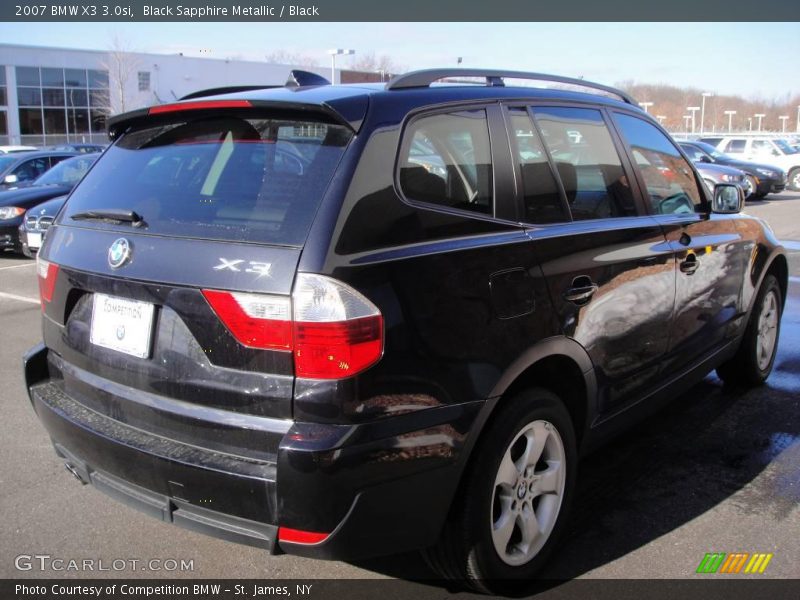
pixel 297 79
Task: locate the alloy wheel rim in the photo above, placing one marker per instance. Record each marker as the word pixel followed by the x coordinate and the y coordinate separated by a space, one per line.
pixel 767 331
pixel 528 491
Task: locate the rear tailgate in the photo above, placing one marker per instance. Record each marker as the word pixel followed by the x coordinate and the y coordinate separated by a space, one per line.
pixel 218 201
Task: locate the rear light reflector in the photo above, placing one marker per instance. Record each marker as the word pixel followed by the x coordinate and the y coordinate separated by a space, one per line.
pixel 255 320
pixel 297 536
pixel 209 104
pixel 47 274
pixel 331 329
pixel 339 349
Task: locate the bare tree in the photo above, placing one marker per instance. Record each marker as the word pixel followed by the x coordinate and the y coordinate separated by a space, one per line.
pixel 121 64
pixel 284 57
pixel 371 64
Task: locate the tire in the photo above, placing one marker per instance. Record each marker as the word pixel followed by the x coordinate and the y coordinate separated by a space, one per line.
pixel 475 548
pixel 793 180
pixel 753 361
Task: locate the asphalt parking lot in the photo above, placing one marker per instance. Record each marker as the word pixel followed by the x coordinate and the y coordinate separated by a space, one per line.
pixel 716 471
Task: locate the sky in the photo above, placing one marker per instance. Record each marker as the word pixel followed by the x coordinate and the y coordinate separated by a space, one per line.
pixel 754 60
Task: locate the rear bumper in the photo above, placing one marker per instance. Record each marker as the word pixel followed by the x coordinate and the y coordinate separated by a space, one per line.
pixel 198 489
pixel 374 489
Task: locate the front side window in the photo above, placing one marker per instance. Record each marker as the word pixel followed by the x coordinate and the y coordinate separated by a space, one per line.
pixel 587 162
pixel 765 148
pixel 446 160
pixel 670 181
pixel 694 153
pixel 31 169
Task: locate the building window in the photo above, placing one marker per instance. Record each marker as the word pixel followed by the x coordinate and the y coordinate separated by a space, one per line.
pixel 3 94
pixel 61 105
pixel 144 81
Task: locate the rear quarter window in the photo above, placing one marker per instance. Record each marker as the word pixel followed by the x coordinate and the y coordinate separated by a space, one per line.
pixel 227 178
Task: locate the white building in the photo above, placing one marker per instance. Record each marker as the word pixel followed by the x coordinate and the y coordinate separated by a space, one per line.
pixel 54 95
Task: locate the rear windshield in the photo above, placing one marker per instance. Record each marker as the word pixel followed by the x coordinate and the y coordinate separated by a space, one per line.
pixel 226 178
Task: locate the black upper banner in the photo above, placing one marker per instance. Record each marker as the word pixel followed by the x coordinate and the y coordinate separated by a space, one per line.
pixel 407 10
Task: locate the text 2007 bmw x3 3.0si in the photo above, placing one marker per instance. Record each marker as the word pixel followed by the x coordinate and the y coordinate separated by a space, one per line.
pixel 344 321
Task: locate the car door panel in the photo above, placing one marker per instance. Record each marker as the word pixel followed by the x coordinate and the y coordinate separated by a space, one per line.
pixel 707 250
pixel 609 271
pixel 621 324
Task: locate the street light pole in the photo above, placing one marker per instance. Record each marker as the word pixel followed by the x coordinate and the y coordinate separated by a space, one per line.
pixel 783 119
pixel 661 119
pixel 749 123
pixel 686 119
pixel 645 105
pixel 694 110
pixel 703 110
pixel 334 53
pixel 759 116
pixel 730 114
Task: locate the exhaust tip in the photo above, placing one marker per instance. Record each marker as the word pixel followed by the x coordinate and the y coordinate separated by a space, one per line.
pixel 75 473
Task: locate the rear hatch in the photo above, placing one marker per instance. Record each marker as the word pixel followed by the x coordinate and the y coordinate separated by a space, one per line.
pixel 174 237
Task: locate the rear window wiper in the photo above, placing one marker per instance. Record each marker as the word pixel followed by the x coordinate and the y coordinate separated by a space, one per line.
pixel 110 214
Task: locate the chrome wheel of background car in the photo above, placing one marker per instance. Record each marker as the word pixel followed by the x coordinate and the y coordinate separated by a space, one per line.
pixel 753 187
pixel 528 490
pixel 794 180
pixel 767 330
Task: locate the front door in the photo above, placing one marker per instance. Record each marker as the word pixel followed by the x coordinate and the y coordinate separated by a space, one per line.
pixel 709 253
pixel 607 266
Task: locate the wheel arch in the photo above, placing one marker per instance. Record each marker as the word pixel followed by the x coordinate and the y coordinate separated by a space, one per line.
pixel 779 267
pixel 558 364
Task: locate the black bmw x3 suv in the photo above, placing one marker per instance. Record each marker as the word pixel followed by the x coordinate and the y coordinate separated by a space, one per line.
pixel 345 321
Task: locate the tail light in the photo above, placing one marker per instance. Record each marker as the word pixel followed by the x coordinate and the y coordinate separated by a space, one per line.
pixel 255 320
pixel 47 274
pixel 332 330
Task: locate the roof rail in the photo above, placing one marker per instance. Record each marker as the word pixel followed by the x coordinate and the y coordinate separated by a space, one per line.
pixel 494 77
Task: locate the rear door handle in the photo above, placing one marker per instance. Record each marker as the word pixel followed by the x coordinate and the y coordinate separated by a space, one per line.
pixel 581 291
pixel 689 266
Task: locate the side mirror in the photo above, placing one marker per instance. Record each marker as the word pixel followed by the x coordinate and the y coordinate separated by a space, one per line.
pixel 10 179
pixel 728 199
pixel 703 159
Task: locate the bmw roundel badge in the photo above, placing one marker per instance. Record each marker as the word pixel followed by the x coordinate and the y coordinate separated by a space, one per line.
pixel 119 253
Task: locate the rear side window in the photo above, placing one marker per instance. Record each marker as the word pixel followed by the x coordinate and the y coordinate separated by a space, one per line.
pixel 446 160
pixel 540 195
pixel 669 179
pixel 587 162
pixel 227 178
pixel 735 146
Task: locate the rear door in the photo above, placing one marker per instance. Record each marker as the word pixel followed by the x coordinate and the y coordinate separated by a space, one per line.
pixel 709 252
pixel 607 266
pixel 182 230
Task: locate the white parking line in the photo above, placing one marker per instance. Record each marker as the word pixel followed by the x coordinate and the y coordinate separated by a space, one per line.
pixel 32 264
pixel 19 298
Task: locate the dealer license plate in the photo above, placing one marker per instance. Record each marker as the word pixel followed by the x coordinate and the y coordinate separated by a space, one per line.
pixel 122 325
